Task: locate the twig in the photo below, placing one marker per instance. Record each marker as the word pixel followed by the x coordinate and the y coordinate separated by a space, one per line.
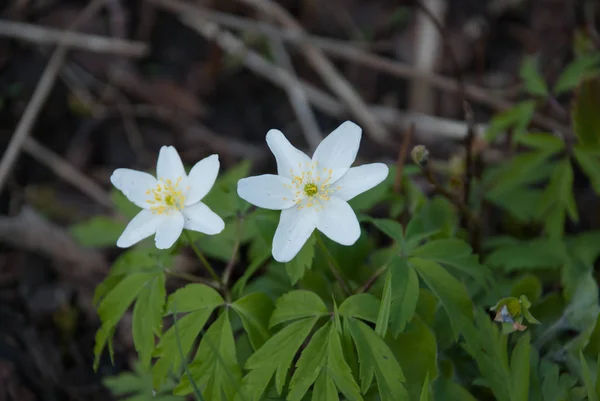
pixel 41 93
pixel 331 77
pixel 408 133
pixel 236 248
pixel 81 41
pixel 297 96
pixel 469 142
pixel 67 172
pixel 353 53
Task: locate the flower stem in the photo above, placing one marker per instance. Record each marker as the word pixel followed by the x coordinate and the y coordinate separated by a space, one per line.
pixel 192 278
pixel 204 261
pixel 371 280
pixel 335 268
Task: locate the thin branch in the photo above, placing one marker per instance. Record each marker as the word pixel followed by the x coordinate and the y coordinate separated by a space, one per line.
pixel 40 95
pixel 408 134
pixel 239 225
pixel 297 96
pixel 81 41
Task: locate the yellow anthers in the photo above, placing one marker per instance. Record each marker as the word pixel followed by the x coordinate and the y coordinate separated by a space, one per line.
pixel 312 186
pixel 166 197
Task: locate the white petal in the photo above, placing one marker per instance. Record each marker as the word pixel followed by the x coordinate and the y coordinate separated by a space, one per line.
pixel 142 226
pixel 338 150
pixel 200 218
pixel 134 185
pixel 169 165
pixel 360 179
pixel 295 227
pixel 268 191
pixel 287 156
pixel 338 222
pixel 169 230
pixel 202 178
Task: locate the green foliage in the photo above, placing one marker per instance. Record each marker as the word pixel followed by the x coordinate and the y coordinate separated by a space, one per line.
pixel 99 231
pixel 533 80
pixel 137 386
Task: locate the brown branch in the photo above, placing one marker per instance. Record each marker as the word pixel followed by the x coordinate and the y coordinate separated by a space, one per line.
pixel 408 133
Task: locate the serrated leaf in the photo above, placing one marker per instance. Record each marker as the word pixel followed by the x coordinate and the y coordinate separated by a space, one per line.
pixel 199 301
pixel 584 114
pixel 99 231
pixel 533 80
pixel 405 294
pixel 449 290
pixel 215 368
pixel 519 369
pixel 115 303
pixel 377 359
pixel 297 304
pixel 323 363
pixel 517 117
pixel 391 228
pixel 383 316
pixel 255 310
pixel 589 161
pixel 274 358
pixel 147 318
pixel 361 306
pixel 577 70
pixel 302 261
pixel 587 378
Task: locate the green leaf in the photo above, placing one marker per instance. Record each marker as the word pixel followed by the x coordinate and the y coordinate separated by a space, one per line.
pixel 587 378
pixel 540 253
pixel 585 116
pixel 405 294
pixel 215 368
pixel 124 206
pixel 222 198
pixel 517 117
pixel 519 369
pixel 376 358
pixel 115 303
pixel 322 363
pixel 449 290
pixel 274 358
pixel 579 69
pixel 391 228
pixel 534 82
pixel 255 310
pixel 521 169
pixel 425 394
pixel 303 260
pixel 99 231
pixel 383 316
pixel 147 318
pixel 417 352
pixel 361 306
pixel 297 304
pixel 137 386
pixel 529 286
pixel 142 261
pixel 589 161
pixel 199 301
pixel 541 141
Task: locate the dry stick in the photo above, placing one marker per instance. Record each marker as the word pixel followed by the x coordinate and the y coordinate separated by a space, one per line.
pixel 41 93
pixel 346 51
pixel 331 77
pixel 297 96
pixel 93 43
pixel 408 133
pixel 323 101
pixel 66 171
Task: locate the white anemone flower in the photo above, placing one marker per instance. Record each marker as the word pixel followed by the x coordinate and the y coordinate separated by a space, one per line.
pixel 313 193
pixel 170 202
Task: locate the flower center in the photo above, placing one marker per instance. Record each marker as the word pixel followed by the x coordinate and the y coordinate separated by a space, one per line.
pixel 312 185
pixel 310 189
pixel 166 197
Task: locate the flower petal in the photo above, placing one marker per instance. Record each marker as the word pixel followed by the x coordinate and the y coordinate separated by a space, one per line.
pixel 268 191
pixel 202 178
pixel 200 218
pixel 142 226
pixel 169 230
pixel 360 179
pixel 287 156
pixel 338 150
pixel 295 227
pixel 134 185
pixel 169 165
pixel 338 222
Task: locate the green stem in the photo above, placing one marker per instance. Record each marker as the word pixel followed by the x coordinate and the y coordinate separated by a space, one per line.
pixel 335 268
pixel 192 278
pixel 200 256
pixel 365 287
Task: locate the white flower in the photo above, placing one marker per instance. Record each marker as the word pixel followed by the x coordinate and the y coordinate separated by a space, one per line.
pixel 313 193
pixel 171 202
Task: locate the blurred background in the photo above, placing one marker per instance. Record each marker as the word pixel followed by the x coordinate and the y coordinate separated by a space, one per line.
pixel 90 86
